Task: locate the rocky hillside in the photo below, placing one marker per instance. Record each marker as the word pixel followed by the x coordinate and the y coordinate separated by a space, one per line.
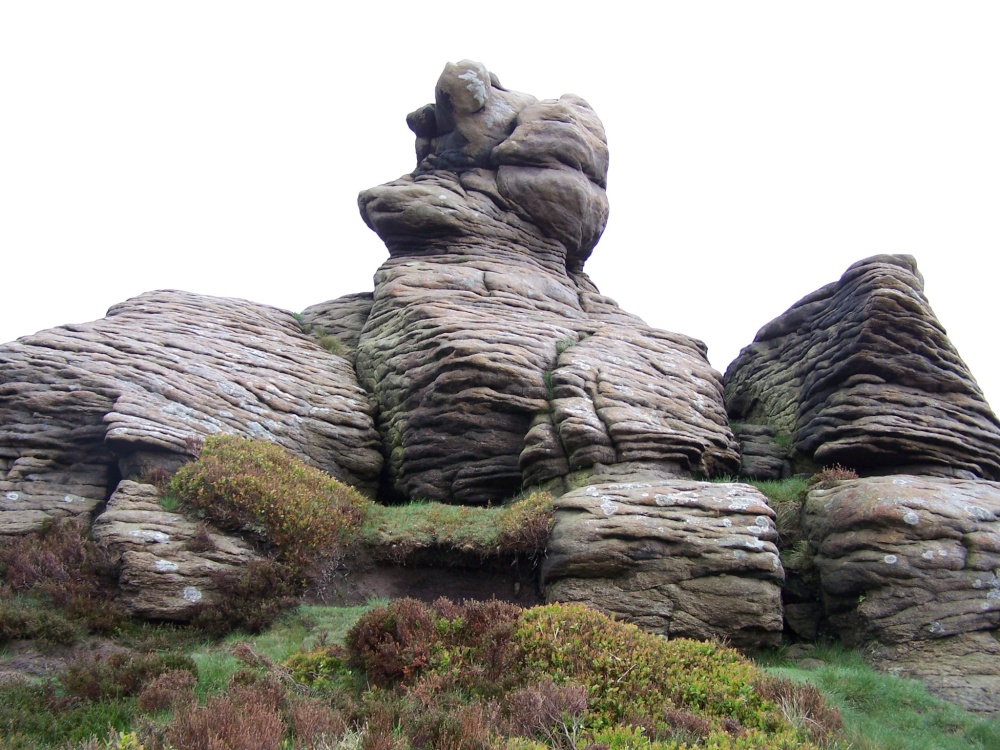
pixel 485 362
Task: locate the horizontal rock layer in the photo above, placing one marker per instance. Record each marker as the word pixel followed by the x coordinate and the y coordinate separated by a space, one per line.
pixel 83 404
pixel 861 373
pixel 677 557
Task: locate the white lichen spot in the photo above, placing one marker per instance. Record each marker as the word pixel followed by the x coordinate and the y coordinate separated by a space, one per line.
pixel 726 523
pixel 192 594
pixel 165 566
pixel 977 584
pixel 936 628
pixel 12 496
pixel 985 606
pixel 928 554
pixel 645 495
pixel 608 507
pixel 592 492
pixel 475 86
pixel 763 521
pixel 149 535
pixel 980 514
pixel 900 480
pixel 890 559
pixel 942 553
pixel 994 594
pixel 911 518
pixel 740 504
pixel 663 500
pixel 755 544
pixel 739 554
pixel 70 498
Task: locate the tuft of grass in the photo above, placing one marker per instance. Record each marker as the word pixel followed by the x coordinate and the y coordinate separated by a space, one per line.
pixel 333 345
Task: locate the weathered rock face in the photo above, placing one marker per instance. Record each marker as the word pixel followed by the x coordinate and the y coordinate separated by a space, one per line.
pixel 911 563
pixel 168 562
pixel 902 558
pixel 862 374
pixel 82 405
pixel 677 557
pixel 342 318
pixel 494 360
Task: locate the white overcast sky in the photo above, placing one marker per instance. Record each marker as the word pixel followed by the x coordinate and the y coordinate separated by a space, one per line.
pixel 757 148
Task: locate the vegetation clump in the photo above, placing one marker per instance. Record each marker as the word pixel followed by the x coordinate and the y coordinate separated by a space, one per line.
pixel 259 487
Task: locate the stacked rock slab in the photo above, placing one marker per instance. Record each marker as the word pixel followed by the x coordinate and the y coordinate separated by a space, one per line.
pixel 911 564
pixel 861 373
pixel 676 557
pixel 494 360
pixel 170 565
pixel 82 405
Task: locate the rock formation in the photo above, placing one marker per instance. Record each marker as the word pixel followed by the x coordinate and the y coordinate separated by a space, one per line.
pixel 861 373
pixel 911 563
pixel 169 563
pixel 493 359
pixel 677 557
pixel 83 405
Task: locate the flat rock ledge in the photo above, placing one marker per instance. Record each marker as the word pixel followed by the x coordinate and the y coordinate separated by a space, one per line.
pixel 677 557
pixel 168 561
pixel 912 564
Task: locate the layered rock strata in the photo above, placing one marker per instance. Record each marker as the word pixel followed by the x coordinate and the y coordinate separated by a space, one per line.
pixel 83 405
pixel 680 558
pixel 494 360
pixel 169 564
pixel 912 563
pixel 861 373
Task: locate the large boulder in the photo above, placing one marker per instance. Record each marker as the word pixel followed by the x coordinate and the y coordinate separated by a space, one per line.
pixel 83 405
pixel 676 557
pixel 861 373
pixel 910 564
pixel 494 360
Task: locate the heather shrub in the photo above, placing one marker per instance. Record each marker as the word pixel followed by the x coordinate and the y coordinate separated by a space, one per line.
pixel 247 717
pixel 167 691
pixel 120 675
pixel 626 670
pixel 803 706
pixel 259 487
pixel 828 475
pixel 446 645
pixel 253 597
pixel 25 620
pixel 64 566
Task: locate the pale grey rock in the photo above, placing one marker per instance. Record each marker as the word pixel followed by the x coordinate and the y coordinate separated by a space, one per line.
pixel 82 405
pixel 861 373
pixel 165 575
pixel 676 557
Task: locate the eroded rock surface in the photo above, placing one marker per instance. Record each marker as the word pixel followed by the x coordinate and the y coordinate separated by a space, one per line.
pixel 912 563
pixel 681 558
pixel 169 562
pixel 861 373
pixel 82 405
pixel 484 327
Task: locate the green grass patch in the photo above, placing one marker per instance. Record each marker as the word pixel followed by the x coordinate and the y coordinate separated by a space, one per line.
pixel 518 527
pixel 883 712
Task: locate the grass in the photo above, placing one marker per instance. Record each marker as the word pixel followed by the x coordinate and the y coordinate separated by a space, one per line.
pixel 518 527
pixel 882 712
